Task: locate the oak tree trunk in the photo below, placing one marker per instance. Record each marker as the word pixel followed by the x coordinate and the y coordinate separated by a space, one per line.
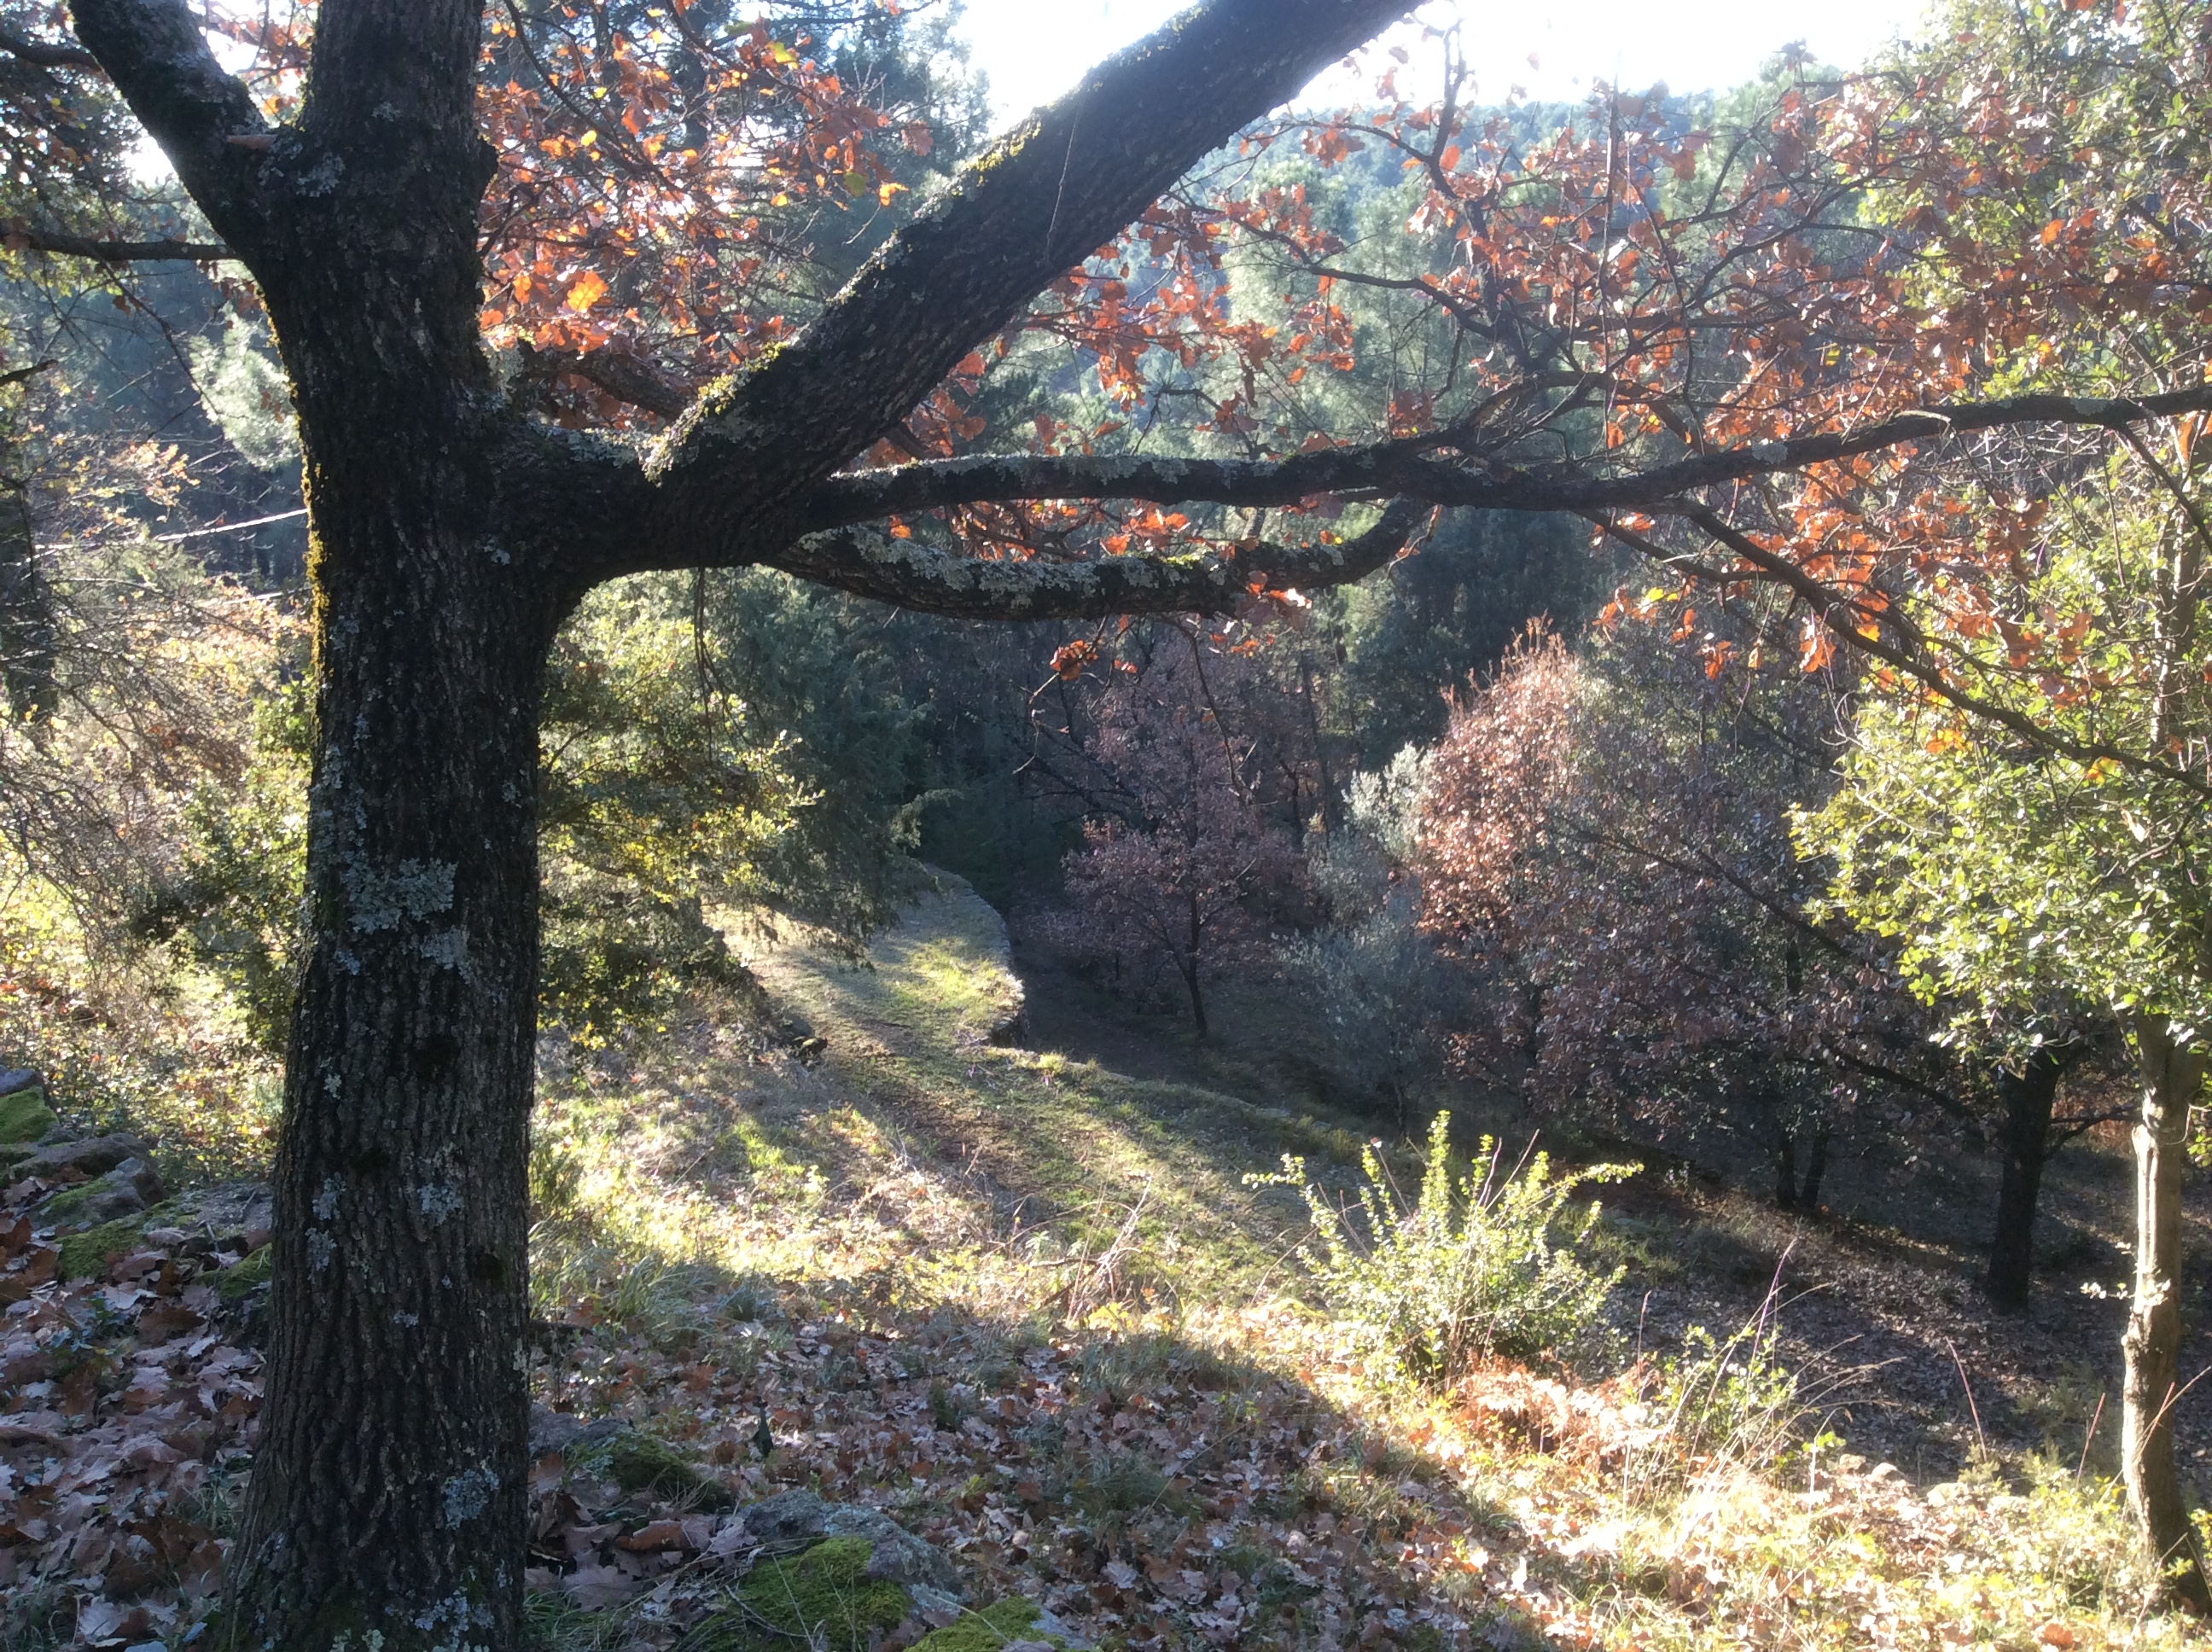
pixel 2030 1095
pixel 2173 1069
pixel 388 1487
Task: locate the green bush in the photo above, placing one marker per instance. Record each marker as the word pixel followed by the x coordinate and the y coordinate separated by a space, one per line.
pixel 1725 1403
pixel 1490 1262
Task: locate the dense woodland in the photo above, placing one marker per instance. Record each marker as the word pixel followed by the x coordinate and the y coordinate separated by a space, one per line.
pixel 558 562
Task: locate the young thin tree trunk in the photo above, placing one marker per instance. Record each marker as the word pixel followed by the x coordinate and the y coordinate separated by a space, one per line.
pixel 26 616
pixel 1189 966
pixel 1816 1168
pixel 2030 1096
pixel 1331 804
pixel 2173 1077
pixel 1784 1149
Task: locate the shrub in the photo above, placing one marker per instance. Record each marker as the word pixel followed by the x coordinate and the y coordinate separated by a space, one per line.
pixel 1490 1262
pixel 1724 1403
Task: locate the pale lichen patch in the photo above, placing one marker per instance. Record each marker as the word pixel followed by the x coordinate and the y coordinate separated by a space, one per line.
pixel 413 888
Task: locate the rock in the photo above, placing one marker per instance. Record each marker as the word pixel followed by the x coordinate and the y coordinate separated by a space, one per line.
pixel 93 1204
pixel 791 1520
pixel 92 1156
pixel 24 1114
pixel 142 1177
pixel 897 1555
pixel 787 1517
pixel 131 1187
pixel 553 1430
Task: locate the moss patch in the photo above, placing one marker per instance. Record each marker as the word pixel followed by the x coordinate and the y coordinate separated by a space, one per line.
pixel 987 1630
pixel 823 1596
pixel 70 1204
pixel 25 1116
pixel 638 1462
pixel 87 1254
pixel 233 1282
pixel 84 1255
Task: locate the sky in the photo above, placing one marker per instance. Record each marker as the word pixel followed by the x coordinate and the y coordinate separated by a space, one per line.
pixel 1034 50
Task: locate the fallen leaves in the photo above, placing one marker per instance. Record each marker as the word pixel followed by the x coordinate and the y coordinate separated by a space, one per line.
pixel 124 1404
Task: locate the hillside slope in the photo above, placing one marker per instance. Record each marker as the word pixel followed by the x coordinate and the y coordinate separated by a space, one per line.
pixel 1134 1419
pixel 1027 1306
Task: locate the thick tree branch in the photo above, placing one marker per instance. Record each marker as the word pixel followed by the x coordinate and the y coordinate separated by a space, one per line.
pixel 618 375
pixel 170 250
pixel 394 72
pixel 1032 207
pixel 45 54
pixel 936 582
pixel 1406 469
pixel 154 52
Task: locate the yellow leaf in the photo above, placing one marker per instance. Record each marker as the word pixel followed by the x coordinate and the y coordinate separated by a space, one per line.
pixel 587 292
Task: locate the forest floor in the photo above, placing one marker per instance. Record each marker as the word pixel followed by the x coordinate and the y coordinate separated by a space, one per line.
pixel 1021 1298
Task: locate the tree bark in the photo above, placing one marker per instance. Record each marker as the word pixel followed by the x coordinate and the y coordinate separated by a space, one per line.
pixel 1785 1164
pixel 2173 1069
pixel 389 1481
pixel 1189 967
pixel 2030 1095
pixel 27 615
pixel 1816 1167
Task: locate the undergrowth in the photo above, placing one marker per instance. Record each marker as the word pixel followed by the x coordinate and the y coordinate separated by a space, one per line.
pixel 1489 1261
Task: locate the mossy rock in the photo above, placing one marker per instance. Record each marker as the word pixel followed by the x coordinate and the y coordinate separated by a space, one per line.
pixel 639 1462
pixel 1013 1619
pixel 822 1597
pixel 84 1255
pixel 68 1204
pixel 25 1116
pixel 234 1282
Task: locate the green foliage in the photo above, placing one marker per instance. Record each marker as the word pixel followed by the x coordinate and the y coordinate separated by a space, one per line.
pixel 242 386
pixel 1488 1262
pixel 1379 979
pixel 816 672
pixel 1725 1403
pixel 1448 613
pixel 2019 879
pixel 719 741
pixel 235 903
